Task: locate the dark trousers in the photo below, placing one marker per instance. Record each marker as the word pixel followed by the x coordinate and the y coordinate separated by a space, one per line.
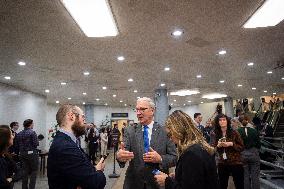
pixel 237 172
pixel 30 167
pixel 251 168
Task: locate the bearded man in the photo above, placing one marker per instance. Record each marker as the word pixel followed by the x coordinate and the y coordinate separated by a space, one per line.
pixel 67 165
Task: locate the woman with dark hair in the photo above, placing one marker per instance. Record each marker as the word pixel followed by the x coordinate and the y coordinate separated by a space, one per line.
pixel 229 147
pixel 93 145
pixel 196 167
pixel 6 164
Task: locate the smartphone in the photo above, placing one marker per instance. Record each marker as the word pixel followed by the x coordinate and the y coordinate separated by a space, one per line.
pixel 105 156
pixel 155 171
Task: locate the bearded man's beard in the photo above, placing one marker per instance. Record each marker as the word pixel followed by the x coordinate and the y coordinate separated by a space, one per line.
pixel 78 129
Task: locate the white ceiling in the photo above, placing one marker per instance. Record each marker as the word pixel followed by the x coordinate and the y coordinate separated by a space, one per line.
pixel 43 34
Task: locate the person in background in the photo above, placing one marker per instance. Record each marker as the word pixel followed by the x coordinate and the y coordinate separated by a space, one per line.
pixel 7 167
pixel 196 167
pixel 198 120
pixel 115 131
pixel 27 143
pixel 93 145
pixel 229 146
pixel 13 149
pixel 14 127
pixel 123 127
pixel 250 154
pixel 104 140
pixel 109 137
pixel 207 130
pixel 235 123
pixel 147 147
pixel 67 164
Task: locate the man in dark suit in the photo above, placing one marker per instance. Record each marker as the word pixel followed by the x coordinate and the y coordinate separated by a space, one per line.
pixel 147 147
pixel 68 166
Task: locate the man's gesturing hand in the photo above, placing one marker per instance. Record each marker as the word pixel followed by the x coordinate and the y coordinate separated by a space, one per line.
pixel 152 156
pixel 124 155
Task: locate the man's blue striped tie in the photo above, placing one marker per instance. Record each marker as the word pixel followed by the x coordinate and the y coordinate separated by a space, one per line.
pixel 146 139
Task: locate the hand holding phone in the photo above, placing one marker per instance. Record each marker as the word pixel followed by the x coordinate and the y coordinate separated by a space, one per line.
pixel 105 157
pixel 223 139
pixel 156 172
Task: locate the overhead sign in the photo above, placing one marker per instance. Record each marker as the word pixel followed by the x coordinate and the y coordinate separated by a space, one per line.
pixel 119 114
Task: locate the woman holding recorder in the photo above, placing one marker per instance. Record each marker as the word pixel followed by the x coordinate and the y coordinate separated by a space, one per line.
pixel 229 147
pixel 196 167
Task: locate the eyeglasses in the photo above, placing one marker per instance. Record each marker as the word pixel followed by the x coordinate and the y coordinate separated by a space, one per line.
pixel 77 115
pixel 142 110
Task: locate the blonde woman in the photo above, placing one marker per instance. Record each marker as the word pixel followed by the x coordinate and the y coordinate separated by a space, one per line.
pixel 104 140
pixel 196 167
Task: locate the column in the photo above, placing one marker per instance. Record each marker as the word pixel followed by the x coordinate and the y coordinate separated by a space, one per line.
pixel 229 109
pixel 162 106
pixel 89 113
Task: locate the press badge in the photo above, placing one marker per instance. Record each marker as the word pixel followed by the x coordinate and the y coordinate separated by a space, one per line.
pixel 224 156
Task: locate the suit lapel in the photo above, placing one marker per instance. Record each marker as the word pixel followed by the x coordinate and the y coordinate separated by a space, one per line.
pixel 154 136
pixel 139 137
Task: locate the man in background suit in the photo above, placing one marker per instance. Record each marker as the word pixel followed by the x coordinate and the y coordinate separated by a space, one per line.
pixel 67 165
pixel 147 147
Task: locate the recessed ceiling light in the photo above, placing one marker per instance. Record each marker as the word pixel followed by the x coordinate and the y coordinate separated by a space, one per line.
pixel 167 69
pixel 274 93
pixel 214 96
pixel 253 88
pixel 172 104
pixel 93 17
pixel 120 58
pixel 177 33
pixel 189 101
pixel 97 99
pixel 83 103
pixel 175 100
pixel 201 102
pixel 198 76
pixel 269 14
pixel 125 104
pixel 250 64
pixel 222 52
pixel 86 73
pixel 69 98
pixel 183 104
pixel 265 91
pixel 135 91
pixel 22 63
pixel 84 93
pixel 57 102
pixel 162 84
pixel 184 92
pixel 221 81
pixel 114 95
pixel 104 88
pixel 239 85
pixel 46 90
pixel 7 77
pixel 269 72
pixel 120 101
pixel 130 79
pixel 63 83
pixel 282 78
pixel 106 104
